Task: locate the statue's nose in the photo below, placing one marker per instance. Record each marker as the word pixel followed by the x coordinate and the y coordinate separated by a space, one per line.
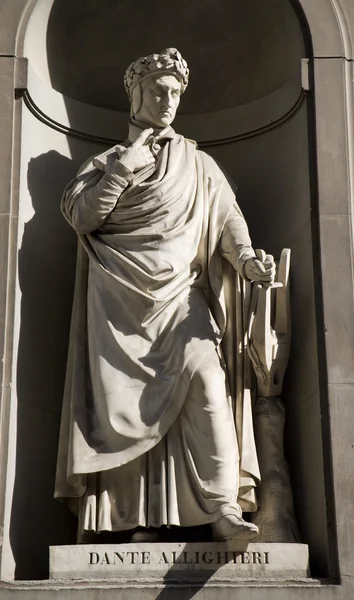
pixel 167 100
pixel 166 106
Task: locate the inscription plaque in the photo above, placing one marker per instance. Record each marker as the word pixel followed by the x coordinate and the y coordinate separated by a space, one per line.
pixel 225 560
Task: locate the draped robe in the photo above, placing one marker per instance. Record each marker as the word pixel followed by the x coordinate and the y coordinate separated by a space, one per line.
pixel 154 299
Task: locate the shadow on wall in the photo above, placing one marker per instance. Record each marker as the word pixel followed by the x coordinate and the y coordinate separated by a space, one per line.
pixel 46 275
pixel 181 586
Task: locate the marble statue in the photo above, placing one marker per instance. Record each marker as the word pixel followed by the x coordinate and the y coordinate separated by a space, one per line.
pixel 269 348
pixel 157 423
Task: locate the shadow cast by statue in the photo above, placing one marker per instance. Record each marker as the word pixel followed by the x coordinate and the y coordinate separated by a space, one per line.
pixel 186 585
pixel 46 278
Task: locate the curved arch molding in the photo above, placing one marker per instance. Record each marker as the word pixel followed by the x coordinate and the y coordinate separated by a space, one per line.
pixel 330 33
pixel 328 27
pixel 330 37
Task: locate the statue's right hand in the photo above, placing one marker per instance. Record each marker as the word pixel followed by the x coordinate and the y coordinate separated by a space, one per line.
pixel 138 155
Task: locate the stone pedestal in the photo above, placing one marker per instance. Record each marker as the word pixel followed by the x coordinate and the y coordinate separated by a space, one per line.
pixel 189 562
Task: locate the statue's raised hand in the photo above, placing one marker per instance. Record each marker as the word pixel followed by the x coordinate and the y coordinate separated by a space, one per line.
pixel 261 269
pixel 138 155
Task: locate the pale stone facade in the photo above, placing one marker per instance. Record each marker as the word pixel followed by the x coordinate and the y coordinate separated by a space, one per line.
pixel 283 130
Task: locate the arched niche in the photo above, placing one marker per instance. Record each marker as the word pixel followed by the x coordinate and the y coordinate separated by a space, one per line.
pixel 78 84
pixel 252 116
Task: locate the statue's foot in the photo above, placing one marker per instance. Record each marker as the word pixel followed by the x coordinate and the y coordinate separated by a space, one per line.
pixel 145 535
pixel 231 527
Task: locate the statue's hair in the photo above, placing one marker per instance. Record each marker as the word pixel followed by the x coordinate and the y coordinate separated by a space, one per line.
pixel 168 62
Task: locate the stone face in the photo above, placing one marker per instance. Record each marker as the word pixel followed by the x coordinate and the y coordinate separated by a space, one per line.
pixel 176 561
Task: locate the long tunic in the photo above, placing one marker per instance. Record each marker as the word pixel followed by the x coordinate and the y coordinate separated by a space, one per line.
pixel 149 314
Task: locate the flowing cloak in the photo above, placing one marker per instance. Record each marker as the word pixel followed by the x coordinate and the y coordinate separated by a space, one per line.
pixel 153 297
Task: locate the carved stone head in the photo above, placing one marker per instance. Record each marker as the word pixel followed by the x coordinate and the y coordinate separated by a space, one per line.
pixel 154 85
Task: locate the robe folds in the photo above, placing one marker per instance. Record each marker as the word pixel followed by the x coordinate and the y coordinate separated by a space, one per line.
pixel 154 301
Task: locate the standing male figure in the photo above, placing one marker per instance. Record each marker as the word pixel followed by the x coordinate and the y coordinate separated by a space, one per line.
pixel 153 432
